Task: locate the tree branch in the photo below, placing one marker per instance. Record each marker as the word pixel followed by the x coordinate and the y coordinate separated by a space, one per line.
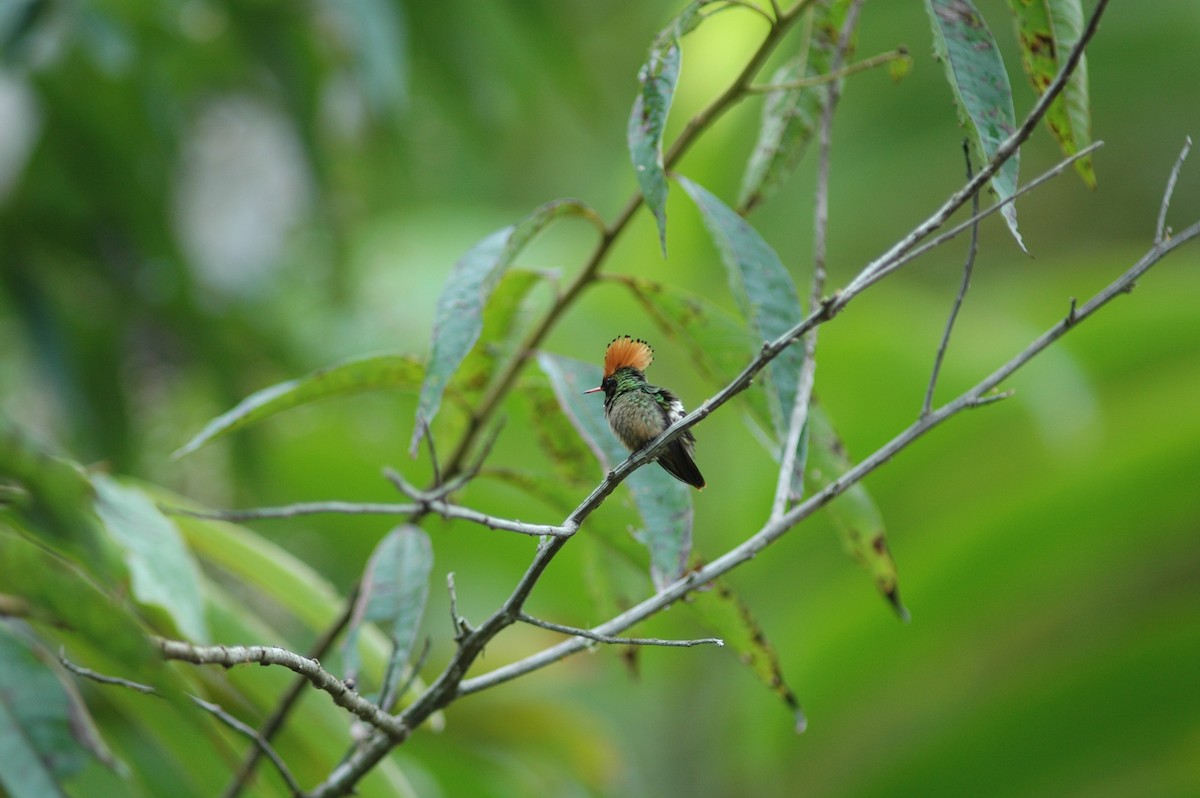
pixel 977 396
pixel 968 266
pixel 310 669
pixel 624 641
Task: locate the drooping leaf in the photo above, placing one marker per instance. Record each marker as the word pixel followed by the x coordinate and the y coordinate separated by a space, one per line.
pixel 366 373
pixel 1048 30
pixel 727 616
pixel 574 463
pixel 500 325
pixel 395 585
pixel 59 594
pixel 767 296
pixel 162 571
pixel 458 319
pixel 790 116
pixel 37 748
pixel 51 500
pixel 854 514
pixel 648 117
pixel 663 502
pixel 982 94
pixel 763 289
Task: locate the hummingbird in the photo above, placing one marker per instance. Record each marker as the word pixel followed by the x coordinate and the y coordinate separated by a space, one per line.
pixel 638 412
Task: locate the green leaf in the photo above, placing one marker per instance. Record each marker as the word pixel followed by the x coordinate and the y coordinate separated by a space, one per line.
pixel 52 501
pixel 1048 30
pixel 59 594
pixel 982 94
pixel 648 117
pixel 37 748
pixel 573 461
pixel 365 373
pixel 727 616
pixel 663 502
pixel 767 296
pixel 161 569
pixel 394 588
pixel 497 337
pixel 458 319
pixel 790 116
pixel 854 514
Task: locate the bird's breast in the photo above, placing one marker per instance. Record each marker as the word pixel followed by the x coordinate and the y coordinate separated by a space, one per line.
pixel 636 419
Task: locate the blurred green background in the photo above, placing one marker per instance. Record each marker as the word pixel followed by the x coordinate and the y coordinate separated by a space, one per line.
pixel 199 199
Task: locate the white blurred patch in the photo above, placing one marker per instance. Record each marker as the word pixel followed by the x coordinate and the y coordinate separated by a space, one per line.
pixel 243 186
pixel 20 122
pixel 1062 401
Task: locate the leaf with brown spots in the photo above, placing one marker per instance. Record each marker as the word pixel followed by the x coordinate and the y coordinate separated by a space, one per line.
pixel 727 616
pixel 982 94
pixel 1047 31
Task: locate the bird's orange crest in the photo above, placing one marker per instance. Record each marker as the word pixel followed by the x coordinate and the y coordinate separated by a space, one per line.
pixel 626 351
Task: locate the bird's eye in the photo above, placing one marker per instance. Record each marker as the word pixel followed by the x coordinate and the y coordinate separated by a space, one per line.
pixel 607 383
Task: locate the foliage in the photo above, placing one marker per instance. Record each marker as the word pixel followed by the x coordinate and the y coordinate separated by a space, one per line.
pixel 134 333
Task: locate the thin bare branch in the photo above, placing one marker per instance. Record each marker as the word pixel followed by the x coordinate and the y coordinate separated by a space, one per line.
pixel 968 266
pixel 833 75
pixel 433 458
pixel 623 641
pixel 977 396
pixel 208 706
pixel 804 383
pixel 295 511
pixel 1161 231
pixel 953 232
pixel 274 722
pixel 260 743
pixel 100 678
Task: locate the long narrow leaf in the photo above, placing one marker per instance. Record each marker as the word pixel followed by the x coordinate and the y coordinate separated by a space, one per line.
pixel 789 116
pixel 648 117
pixel 395 586
pixel 663 502
pixel 982 93
pixel 726 615
pixel 367 373
pixel 162 572
pixel 60 595
pixel 501 325
pixel 458 319
pixel 37 748
pixel 767 296
pixel 1048 30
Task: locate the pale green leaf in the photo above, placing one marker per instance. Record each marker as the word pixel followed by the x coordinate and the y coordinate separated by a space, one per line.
pixel 789 116
pixel 728 617
pixel 982 93
pixel 366 373
pixel 161 569
pixel 1048 30
pixel 458 318
pixel 648 117
pixel 393 591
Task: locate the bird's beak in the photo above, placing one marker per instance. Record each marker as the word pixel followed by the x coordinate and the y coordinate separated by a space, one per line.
pixel 593 390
